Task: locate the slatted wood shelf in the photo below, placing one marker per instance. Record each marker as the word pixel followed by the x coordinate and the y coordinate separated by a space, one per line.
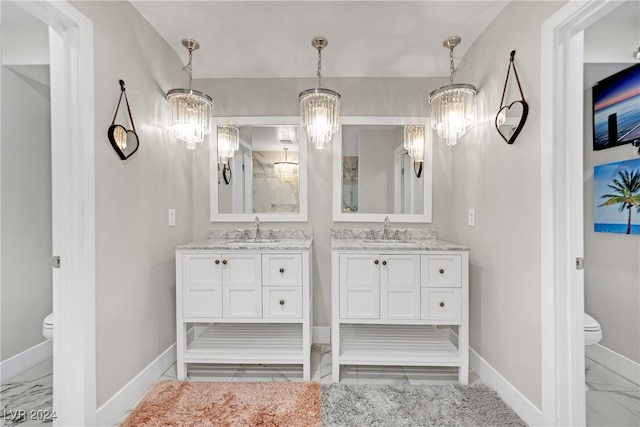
pixel 247 343
pixel 400 345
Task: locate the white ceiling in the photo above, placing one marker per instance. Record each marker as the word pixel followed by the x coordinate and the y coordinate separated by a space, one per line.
pixel 273 38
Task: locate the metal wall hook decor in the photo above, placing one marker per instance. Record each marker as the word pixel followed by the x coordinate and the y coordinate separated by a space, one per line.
pixel 226 172
pixel 124 141
pixel 417 168
pixel 504 108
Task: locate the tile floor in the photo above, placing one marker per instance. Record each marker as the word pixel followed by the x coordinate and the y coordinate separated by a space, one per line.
pixel 611 399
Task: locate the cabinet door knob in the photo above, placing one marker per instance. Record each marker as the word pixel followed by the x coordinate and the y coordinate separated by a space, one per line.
pixel 384 262
pixel 441 304
pixel 224 262
pixel 282 270
pixel 376 262
pixel 281 302
pixel 442 271
pixel 217 261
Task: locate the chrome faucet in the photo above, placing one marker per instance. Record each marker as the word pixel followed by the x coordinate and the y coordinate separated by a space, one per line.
pixel 387 226
pixel 258 232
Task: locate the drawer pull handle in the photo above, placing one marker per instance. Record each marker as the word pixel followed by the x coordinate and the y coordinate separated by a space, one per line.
pixel 217 261
pixel 224 262
pixel 282 270
pixel 442 271
pixel 281 302
pixel 376 262
pixel 441 304
pixel 384 262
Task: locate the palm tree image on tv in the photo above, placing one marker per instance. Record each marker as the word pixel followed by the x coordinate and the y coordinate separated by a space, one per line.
pixel 622 193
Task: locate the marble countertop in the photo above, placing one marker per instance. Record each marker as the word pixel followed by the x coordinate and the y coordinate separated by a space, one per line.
pixel 379 244
pixel 417 239
pixel 233 244
pixel 245 239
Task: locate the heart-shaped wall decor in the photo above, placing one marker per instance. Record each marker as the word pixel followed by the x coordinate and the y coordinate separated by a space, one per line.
pixel 506 109
pixel 124 141
pixel 523 118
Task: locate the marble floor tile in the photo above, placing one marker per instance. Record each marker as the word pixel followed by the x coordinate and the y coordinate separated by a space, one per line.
pixel 387 375
pixel 170 373
pixel 611 399
pixel 247 373
pixel 27 398
pixel 605 408
pixel 600 378
pixel 419 375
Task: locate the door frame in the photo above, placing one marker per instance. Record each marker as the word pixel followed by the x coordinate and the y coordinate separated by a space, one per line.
pixel 562 210
pixel 73 209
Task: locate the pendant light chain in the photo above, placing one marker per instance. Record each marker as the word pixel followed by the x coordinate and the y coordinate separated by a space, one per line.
pixel 188 67
pixel 319 66
pixel 452 68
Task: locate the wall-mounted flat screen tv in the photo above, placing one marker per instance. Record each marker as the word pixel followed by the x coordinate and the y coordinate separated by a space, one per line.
pixel 616 109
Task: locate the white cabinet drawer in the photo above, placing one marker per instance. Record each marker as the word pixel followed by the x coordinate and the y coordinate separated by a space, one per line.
pixel 441 304
pixel 282 270
pixel 282 302
pixel 442 271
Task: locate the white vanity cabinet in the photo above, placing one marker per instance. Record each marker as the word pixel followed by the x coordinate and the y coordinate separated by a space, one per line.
pixel 218 284
pixel 396 306
pixel 243 306
pixel 379 286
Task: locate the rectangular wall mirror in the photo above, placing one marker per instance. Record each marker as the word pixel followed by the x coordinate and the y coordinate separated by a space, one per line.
pixel 373 174
pixel 266 176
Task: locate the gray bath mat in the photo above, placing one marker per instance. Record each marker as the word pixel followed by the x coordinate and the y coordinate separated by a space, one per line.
pixel 355 405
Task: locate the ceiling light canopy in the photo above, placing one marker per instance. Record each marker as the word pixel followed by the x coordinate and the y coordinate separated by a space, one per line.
pixel 320 107
pixel 453 107
pixel 190 109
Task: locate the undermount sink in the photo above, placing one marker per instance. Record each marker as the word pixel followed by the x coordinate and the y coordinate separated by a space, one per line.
pixel 252 242
pixel 388 243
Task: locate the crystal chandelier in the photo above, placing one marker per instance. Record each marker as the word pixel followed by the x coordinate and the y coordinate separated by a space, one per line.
pixel 414 142
pixel 320 107
pixel 285 170
pixel 190 109
pixel 453 107
pixel 228 142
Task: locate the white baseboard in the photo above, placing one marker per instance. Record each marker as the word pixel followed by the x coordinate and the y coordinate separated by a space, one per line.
pixel 616 362
pixel 526 410
pixel 109 413
pixel 321 335
pixel 29 358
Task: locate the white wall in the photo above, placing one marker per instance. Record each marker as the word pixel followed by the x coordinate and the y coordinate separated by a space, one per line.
pixel 26 280
pixel 360 97
pixel 612 261
pixel 135 267
pixel 502 182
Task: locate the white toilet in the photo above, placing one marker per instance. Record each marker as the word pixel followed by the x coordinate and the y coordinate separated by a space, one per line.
pixel 47 327
pixel 592 331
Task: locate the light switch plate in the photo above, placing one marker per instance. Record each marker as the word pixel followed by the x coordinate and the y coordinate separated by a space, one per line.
pixel 471 218
pixel 172 217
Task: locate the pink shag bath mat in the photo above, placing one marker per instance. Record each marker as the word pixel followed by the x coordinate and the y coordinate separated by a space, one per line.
pixel 184 403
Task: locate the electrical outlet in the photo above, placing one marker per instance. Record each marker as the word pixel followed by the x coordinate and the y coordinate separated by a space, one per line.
pixel 471 218
pixel 172 217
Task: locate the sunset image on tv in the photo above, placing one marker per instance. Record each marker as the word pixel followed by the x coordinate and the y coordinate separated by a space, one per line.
pixel 616 109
